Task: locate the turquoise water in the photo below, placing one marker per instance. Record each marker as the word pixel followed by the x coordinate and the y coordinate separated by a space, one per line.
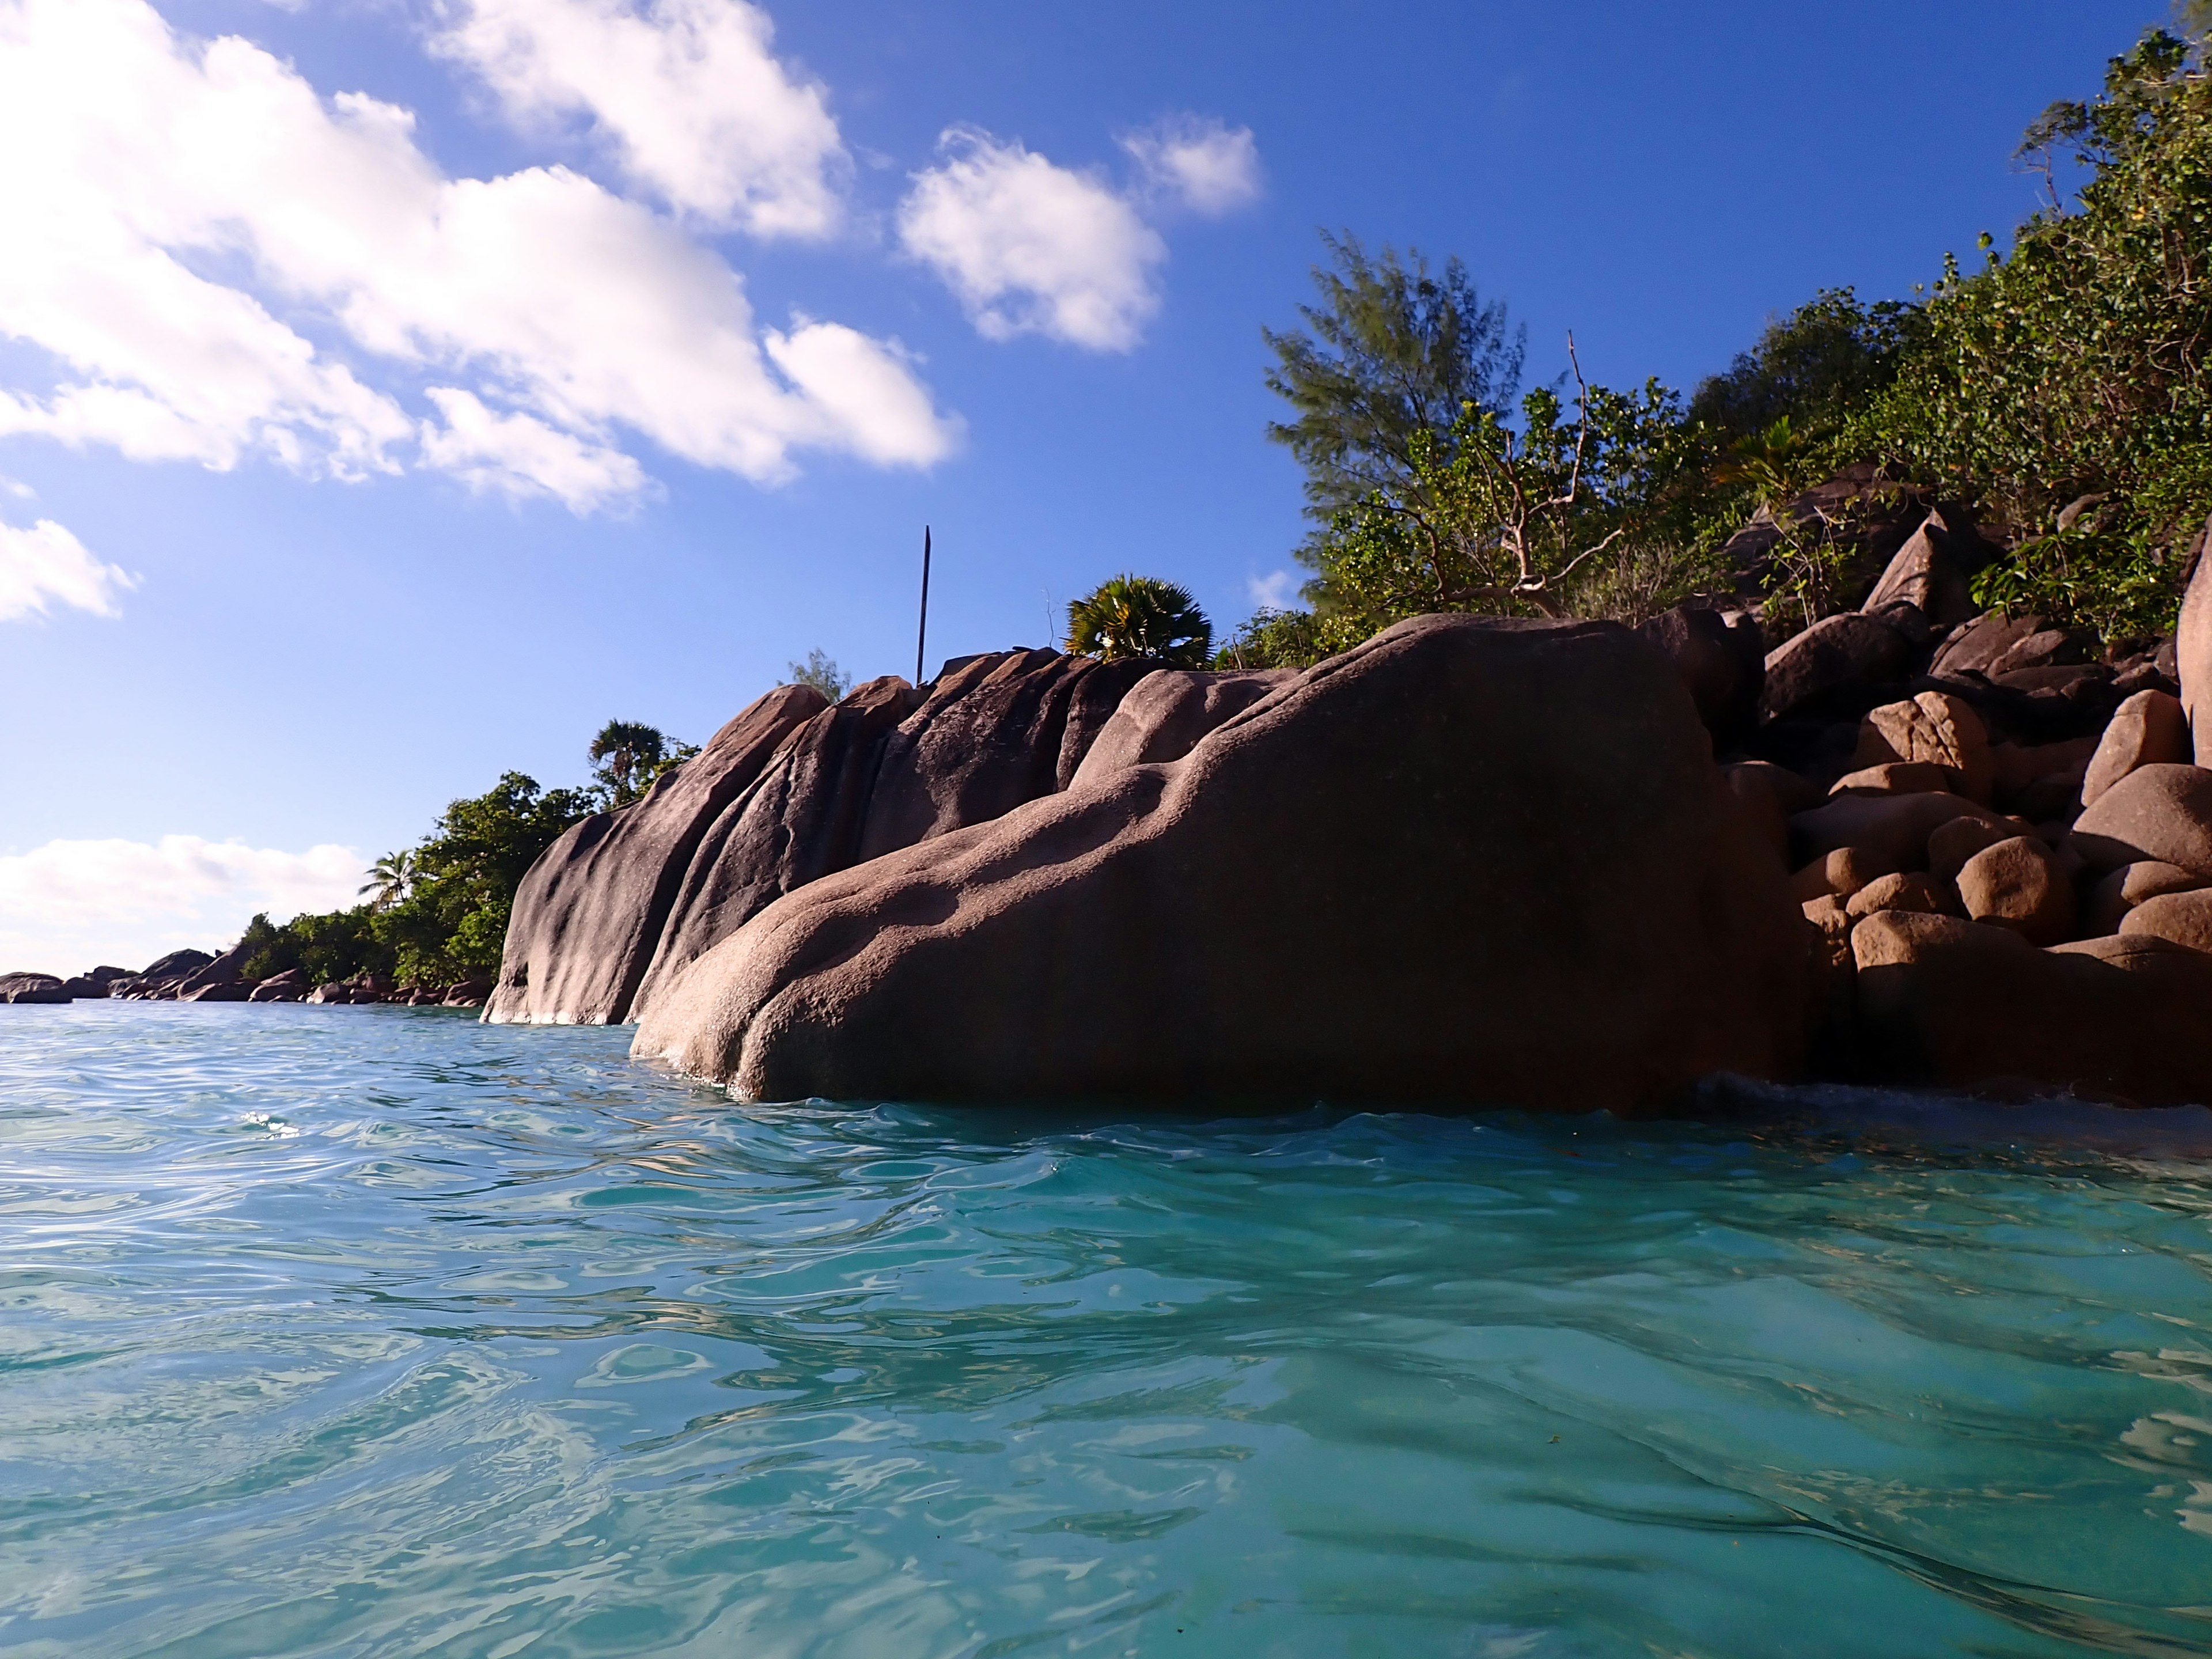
pixel 374 1331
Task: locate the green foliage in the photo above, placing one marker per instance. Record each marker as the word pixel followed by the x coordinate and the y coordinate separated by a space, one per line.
pixel 1140 618
pixel 2076 366
pixel 390 880
pixel 1269 638
pixel 1393 351
pixel 629 756
pixel 1606 513
pixel 1814 368
pixel 820 672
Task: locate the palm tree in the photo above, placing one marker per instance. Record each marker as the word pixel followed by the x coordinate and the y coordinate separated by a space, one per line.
pixel 1140 618
pixel 391 879
pixel 627 754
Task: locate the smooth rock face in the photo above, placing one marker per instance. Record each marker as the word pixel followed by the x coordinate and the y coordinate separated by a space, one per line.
pixel 1469 861
pixel 2184 918
pixel 801 820
pixel 987 740
pixel 2117 894
pixel 2192 658
pixel 1841 873
pixel 2016 883
pixel 589 914
pixel 2148 729
pixel 1959 1004
pixel 1833 654
pixel 175 965
pixel 1163 717
pixel 1898 778
pixel 2161 812
pixel 1950 845
pixel 228 968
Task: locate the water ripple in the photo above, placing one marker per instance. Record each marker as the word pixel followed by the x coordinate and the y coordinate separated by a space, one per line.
pixel 379 1332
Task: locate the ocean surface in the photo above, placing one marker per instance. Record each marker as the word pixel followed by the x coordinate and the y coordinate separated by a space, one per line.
pixel 375 1331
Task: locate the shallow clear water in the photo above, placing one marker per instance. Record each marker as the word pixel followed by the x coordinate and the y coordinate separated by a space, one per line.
pixel 376 1331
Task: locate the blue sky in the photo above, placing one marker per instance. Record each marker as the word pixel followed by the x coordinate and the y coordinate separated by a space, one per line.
pixel 393 391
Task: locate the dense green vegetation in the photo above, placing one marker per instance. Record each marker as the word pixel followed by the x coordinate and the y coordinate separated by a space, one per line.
pixel 436 913
pixel 2067 374
pixel 1141 618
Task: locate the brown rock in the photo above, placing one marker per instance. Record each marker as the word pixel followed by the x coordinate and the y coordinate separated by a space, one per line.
pixel 1932 572
pixel 1914 890
pixel 591 910
pixel 1958 1004
pixel 2048 648
pixel 1767 795
pixel 2148 729
pixel 2017 883
pixel 333 992
pixel 2184 918
pixel 1951 844
pixel 1898 778
pixel 1834 655
pixel 1937 727
pixel 1167 712
pixel 1893 829
pixel 2018 765
pixel 1446 805
pixel 2161 812
pixel 2192 653
pixel 988 736
pixel 801 820
pixel 1841 873
pixel 2117 894
pixel 229 990
pixel 1828 914
pixel 1974 646
pixel 32 988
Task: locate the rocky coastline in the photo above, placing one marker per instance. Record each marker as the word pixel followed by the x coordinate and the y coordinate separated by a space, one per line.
pixel 1470 862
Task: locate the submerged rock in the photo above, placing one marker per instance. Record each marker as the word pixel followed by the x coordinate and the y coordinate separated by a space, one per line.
pixel 1469 861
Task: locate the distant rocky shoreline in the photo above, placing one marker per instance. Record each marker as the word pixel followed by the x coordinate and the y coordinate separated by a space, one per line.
pixel 1469 862
pixel 196 976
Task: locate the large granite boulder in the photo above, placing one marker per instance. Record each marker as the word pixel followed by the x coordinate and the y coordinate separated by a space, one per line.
pixel 2192 652
pixel 173 966
pixel 990 736
pixel 590 912
pixel 1836 659
pixel 1470 861
pixel 1961 1005
pixel 801 820
pixel 2161 812
pixel 1170 710
pixel 32 987
pixel 1933 573
pixel 2147 729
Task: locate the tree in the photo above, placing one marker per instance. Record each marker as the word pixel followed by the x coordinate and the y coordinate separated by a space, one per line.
pixel 625 756
pixel 822 674
pixel 390 878
pixel 1814 368
pixel 1140 616
pixel 2076 366
pixel 1392 350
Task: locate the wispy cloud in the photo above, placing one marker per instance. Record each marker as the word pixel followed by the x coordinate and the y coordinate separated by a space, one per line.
pixel 1197 162
pixel 1276 591
pixel 45 566
pixel 69 905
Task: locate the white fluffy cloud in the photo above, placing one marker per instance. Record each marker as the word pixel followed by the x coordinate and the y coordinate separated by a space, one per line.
pixel 70 905
pixel 687 94
pixel 1031 247
pixel 1276 591
pixel 45 566
pixel 193 209
pixel 1198 163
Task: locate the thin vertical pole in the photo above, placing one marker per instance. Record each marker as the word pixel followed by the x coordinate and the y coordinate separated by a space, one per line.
pixel 922 640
